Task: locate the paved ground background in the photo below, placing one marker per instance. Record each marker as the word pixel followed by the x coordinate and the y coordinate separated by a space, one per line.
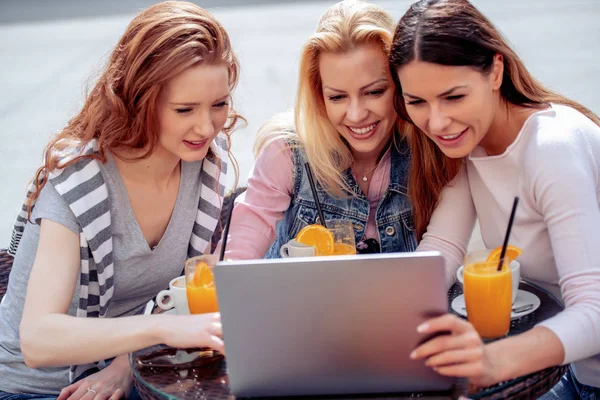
pixel 49 51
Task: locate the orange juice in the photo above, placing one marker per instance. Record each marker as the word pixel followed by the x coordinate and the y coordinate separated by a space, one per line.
pixel 488 297
pixel 200 286
pixel 202 299
pixel 340 249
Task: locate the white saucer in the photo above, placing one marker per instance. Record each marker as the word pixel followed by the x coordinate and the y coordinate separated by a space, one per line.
pixel 523 298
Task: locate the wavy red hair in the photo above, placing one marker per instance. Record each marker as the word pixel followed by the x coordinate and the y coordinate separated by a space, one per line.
pixel 120 111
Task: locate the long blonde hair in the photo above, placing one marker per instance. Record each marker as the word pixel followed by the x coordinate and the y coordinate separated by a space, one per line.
pixel 279 127
pixel 455 33
pixel 343 27
pixel 120 111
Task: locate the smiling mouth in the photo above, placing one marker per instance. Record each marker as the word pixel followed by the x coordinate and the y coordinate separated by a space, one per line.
pixel 452 137
pixel 365 130
pixel 195 142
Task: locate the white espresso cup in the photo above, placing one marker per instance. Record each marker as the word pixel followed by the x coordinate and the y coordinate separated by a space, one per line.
pixel 296 249
pixel 515 270
pixel 174 297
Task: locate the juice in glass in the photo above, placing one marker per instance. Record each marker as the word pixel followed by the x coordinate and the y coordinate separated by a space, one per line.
pixel 341 249
pixel 488 297
pixel 343 237
pixel 335 240
pixel 200 284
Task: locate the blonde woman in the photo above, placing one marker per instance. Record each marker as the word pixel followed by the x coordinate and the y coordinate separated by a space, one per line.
pixel 129 189
pixel 347 128
pixel 482 122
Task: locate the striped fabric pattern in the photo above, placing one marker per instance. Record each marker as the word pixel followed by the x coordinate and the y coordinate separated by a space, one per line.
pixel 82 187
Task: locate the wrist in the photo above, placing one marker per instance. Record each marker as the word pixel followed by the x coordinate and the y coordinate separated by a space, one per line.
pixel 159 329
pixel 120 364
pixel 503 364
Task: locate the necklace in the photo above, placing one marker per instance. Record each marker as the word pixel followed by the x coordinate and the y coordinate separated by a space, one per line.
pixel 364 174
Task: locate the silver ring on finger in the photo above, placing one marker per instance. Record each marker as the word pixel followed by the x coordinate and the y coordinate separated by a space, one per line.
pixel 91 389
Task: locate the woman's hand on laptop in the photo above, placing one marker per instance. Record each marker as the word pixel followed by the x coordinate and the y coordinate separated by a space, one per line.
pixel 461 353
pixel 187 331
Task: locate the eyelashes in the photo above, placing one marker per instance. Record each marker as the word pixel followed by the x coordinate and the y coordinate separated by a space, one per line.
pixel 371 93
pixel 185 110
pixel 452 98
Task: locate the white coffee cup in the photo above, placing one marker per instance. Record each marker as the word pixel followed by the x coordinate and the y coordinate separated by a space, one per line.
pixel 515 269
pixel 174 297
pixel 294 248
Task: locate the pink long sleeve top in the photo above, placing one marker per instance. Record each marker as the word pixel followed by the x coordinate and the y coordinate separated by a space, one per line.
pixel 268 196
pixel 554 167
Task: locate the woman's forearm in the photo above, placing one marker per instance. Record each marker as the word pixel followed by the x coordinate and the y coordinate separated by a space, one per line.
pixel 526 353
pixel 59 340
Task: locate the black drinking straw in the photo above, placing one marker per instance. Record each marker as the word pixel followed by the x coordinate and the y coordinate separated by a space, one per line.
pixel 313 188
pixel 226 233
pixel 510 223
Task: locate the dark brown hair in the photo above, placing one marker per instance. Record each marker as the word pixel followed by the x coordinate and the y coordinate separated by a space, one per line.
pixel 455 33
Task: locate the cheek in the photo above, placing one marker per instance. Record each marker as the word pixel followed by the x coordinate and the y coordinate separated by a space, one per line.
pixel 219 119
pixel 333 112
pixel 386 105
pixel 477 113
pixel 168 126
pixel 418 115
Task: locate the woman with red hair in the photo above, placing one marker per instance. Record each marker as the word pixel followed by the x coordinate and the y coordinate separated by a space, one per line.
pixel 128 190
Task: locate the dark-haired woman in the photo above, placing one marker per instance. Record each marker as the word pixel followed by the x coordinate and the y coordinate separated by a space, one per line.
pixel 485 131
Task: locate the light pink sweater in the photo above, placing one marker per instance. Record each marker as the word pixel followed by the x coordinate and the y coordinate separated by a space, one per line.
pixel 268 196
pixel 554 167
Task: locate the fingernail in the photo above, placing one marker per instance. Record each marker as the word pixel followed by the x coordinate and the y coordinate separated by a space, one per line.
pixel 423 327
pixel 413 355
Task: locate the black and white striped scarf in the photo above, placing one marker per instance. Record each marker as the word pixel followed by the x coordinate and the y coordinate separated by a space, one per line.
pixel 82 186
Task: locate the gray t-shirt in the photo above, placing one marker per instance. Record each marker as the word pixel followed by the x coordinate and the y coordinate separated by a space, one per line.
pixel 140 272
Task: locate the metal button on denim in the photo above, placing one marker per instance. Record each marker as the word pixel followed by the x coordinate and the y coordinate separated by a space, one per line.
pixel 390 230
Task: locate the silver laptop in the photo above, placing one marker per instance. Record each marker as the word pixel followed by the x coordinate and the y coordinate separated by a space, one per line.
pixel 330 325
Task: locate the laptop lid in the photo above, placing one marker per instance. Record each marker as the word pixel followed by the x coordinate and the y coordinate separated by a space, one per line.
pixel 330 325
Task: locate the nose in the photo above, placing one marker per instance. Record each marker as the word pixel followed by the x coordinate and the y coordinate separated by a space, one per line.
pixel 356 111
pixel 438 120
pixel 203 125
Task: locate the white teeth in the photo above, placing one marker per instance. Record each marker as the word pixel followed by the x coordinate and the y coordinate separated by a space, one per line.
pixel 199 142
pixel 450 137
pixel 363 131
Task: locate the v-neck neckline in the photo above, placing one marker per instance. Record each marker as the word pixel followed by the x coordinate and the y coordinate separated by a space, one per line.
pixel 138 234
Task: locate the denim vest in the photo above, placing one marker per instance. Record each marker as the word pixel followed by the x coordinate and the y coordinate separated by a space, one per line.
pixel 394 217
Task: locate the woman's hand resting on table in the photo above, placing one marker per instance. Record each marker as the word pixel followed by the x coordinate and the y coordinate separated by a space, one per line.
pixel 200 330
pixel 113 382
pixel 461 353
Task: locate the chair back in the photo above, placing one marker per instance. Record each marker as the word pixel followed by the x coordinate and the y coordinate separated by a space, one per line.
pixel 6 261
pixel 227 207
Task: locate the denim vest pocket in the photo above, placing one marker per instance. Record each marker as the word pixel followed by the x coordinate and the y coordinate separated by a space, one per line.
pixel 396 230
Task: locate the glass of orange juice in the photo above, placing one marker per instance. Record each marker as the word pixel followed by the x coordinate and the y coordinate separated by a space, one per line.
pixel 335 240
pixel 488 294
pixel 343 237
pixel 200 284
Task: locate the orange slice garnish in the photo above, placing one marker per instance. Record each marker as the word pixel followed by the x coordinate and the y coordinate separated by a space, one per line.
pixel 319 237
pixel 512 252
pixel 203 275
